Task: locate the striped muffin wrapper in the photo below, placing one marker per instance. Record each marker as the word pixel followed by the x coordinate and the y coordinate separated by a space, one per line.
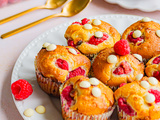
pixel 48 85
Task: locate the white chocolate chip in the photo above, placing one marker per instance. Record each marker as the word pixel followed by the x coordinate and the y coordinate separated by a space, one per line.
pixel 112 59
pixel 28 112
pixel 46 44
pixel 146 19
pixel 96 22
pixel 84 84
pixel 73 51
pixel 40 109
pixel 139 57
pixel 144 84
pixel 96 92
pixel 98 34
pixel 87 26
pixel 153 80
pixel 139 77
pixel 51 47
pixel 137 34
pixel 158 33
pixel 94 81
pixel 149 98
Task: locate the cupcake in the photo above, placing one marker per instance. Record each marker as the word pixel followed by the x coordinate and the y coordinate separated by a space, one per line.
pixel 54 64
pixel 153 67
pixel 86 99
pixel 114 66
pixel 90 36
pixel 139 100
pixel 144 38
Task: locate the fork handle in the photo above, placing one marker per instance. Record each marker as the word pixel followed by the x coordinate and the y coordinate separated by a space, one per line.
pixel 19 14
pixel 13 32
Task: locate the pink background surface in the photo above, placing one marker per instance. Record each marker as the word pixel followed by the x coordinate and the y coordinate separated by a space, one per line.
pixel 12 47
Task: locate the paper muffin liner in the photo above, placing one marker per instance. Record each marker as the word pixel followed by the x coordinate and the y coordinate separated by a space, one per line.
pixel 48 85
pixel 69 114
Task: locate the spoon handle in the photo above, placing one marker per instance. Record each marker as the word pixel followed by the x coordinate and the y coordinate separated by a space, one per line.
pixel 13 32
pixel 19 14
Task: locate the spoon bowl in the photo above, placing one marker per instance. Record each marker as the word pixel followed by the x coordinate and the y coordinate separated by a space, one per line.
pixel 52 4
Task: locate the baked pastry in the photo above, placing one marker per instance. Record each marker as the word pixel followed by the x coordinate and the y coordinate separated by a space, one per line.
pixel 139 100
pixel 153 67
pixel 86 99
pixel 113 69
pixel 91 36
pixel 55 64
pixel 144 37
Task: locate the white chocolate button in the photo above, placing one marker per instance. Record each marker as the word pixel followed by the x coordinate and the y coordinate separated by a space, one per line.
pixel 96 92
pixel 84 84
pixel 149 98
pixel 73 51
pixel 146 19
pixel 51 47
pixel 139 77
pixel 94 81
pixel 46 44
pixel 137 33
pixel 153 80
pixel 158 33
pixel 28 112
pixel 112 59
pixel 139 57
pixel 87 26
pixel 40 109
pixel 98 34
pixel 96 22
pixel 144 84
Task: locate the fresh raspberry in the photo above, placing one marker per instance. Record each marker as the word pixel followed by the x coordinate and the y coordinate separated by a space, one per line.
pixel 122 103
pixel 21 89
pixel 62 64
pixel 13 1
pixel 156 74
pixel 3 3
pixel 95 41
pixel 156 60
pixel 156 93
pixel 76 72
pixel 134 40
pixel 71 43
pixel 85 21
pixel 122 84
pixel 77 23
pixel 123 68
pixel 122 47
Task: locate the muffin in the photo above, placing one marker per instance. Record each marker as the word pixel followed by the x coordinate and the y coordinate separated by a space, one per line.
pixel 144 37
pixel 113 69
pixel 153 67
pixel 90 36
pixel 86 99
pixel 54 64
pixel 139 100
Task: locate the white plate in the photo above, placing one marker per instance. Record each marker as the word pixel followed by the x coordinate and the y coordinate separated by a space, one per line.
pixel 144 5
pixel 24 67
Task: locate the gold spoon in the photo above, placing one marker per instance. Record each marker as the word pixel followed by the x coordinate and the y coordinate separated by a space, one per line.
pixel 70 9
pixel 50 4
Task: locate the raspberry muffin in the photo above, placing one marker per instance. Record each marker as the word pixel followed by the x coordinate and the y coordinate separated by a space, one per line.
pixel 114 66
pixel 139 100
pixel 54 64
pixel 144 37
pixel 90 36
pixel 153 67
pixel 86 99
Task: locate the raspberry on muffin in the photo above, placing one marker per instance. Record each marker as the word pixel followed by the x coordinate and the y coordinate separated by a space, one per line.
pixel 91 36
pixel 86 99
pixel 54 64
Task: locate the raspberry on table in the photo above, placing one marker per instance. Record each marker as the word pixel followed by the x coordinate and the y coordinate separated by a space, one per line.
pixel 62 64
pixel 85 21
pixel 122 47
pixel 21 89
